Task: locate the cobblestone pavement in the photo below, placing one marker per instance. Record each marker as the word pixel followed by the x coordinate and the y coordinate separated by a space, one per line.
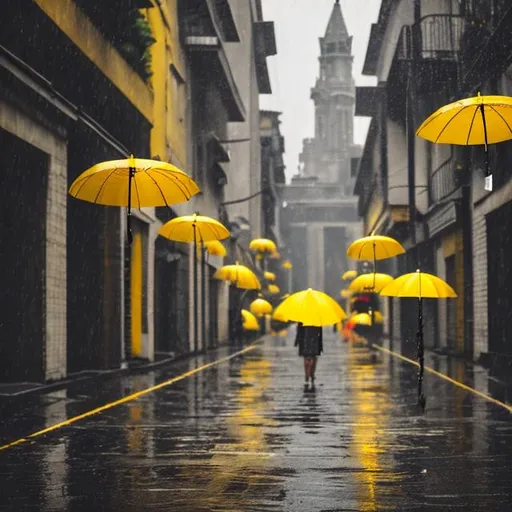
pixel 244 436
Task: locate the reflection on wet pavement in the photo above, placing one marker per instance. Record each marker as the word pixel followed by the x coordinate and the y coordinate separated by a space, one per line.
pixel 243 435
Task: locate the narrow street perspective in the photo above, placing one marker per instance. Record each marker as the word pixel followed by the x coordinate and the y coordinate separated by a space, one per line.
pixel 243 435
pixel 256 255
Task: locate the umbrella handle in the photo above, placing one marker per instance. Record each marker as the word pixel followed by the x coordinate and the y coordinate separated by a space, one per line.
pixel 422 401
pixel 486 146
pixel 129 218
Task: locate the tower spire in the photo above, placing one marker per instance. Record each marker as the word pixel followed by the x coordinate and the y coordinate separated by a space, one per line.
pixel 336 28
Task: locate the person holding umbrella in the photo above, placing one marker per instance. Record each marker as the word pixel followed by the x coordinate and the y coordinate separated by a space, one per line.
pixel 312 309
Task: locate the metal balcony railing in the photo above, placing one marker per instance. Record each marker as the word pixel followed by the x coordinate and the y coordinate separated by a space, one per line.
pixel 443 182
pixel 440 36
pixel 436 36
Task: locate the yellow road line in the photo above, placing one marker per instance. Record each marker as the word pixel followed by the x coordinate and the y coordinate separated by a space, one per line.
pixel 445 377
pixel 125 399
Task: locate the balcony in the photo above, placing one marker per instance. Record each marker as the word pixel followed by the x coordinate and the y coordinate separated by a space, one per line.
pixel 435 37
pixel 443 182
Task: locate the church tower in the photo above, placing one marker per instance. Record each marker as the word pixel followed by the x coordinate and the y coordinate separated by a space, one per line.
pixel 320 218
pixel 334 97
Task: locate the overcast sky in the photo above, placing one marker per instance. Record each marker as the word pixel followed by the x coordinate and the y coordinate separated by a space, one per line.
pixel 293 71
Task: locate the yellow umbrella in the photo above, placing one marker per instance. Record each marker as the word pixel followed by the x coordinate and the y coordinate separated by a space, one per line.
pixel 134 182
pixel 269 276
pixel 262 246
pixel 194 228
pixel 345 294
pixel 239 275
pixel 371 283
pixel 275 255
pixel 311 307
pixel 419 285
pixel 480 120
pixel 361 319
pixel 287 265
pixel 273 289
pixel 250 322
pixel 349 274
pixel 374 247
pixel 283 333
pixel 215 248
pixel 260 307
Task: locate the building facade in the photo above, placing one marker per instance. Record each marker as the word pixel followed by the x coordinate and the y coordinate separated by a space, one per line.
pixel 320 217
pixel 97 81
pixel 431 197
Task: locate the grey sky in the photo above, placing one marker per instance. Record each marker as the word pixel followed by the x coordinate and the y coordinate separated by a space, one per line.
pixel 293 71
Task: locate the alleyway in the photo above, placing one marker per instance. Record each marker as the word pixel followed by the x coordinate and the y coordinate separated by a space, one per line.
pixel 242 435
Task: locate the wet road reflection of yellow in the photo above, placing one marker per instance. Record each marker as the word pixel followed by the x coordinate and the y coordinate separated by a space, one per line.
pixel 238 470
pixel 371 445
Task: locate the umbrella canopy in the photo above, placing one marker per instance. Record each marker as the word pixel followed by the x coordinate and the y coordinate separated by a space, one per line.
pixel 345 294
pixel 373 282
pixel 287 265
pixel 273 289
pixel 193 228
pixel 361 319
pixel 349 274
pixel 260 307
pixel 134 182
pixel 310 307
pixel 481 120
pixel 263 246
pixel 250 322
pixel 375 247
pixel 269 276
pixel 239 275
pixel 215 248
pixel 419 285
pixel 472 121
pixel 151 183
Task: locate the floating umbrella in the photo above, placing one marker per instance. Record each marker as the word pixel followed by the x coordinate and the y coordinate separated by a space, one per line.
pixel 374 247
pixel 370 283
pixel 260 307
pixel 262 246
pixel 273 289
pixel 419 285
pixel 250 322
pixel 287 265
pixel 194 228
pixel 134 182
pixel 215 248
pixel 349 274
pixel 345 294
pixel 238 275
pixel 310 307
pixel 269 276
pixel 481 120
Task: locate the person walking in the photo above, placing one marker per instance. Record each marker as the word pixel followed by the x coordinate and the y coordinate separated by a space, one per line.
pixel 309 339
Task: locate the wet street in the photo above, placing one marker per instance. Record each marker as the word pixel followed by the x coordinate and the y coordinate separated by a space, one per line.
pixel 242 435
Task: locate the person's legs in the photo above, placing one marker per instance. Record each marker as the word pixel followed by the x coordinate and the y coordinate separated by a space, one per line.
pixel 313 369
pixel 307 370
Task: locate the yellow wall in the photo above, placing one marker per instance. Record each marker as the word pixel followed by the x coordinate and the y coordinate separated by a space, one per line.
pixel 169 133
pixel 66 15
pixel 136 294
pixel 453 245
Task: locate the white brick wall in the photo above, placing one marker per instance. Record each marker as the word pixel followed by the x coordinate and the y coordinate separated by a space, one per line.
pixel 480 292
pixel 480 283
pixel 56 275
pixel 55 298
